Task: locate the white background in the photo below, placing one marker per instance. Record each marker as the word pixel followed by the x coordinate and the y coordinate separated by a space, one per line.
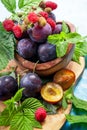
pixel 74 11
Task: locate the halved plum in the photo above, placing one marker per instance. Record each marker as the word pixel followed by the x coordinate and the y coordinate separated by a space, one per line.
pixel 52 92
pixel 65 78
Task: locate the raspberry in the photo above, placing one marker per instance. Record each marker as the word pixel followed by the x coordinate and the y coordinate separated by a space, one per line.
pixel 32 17
pixel 17 31
pixel 51 4
pixel 40 114
pixel 44 14
pixel 52 23
pixel 8 24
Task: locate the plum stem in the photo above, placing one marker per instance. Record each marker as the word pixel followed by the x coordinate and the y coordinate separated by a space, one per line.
pixel 18 79
pixel 35 66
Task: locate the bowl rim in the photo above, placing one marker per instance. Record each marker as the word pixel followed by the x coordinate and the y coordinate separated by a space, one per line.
pixel 47 65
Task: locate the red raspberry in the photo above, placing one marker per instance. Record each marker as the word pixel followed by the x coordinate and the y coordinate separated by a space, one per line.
pixel 8 24
pixel 51 4
pixel 17 31
pixel 52 23
pixel 44 14
pixel 32 17
pixel 40 114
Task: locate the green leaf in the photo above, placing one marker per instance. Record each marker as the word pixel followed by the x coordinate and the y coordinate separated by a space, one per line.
pixel 77 54
pixel 32 2
pixel 5 73
pixel 61 48
pixel 51 109
pixel 21 116
pixel 31 116
pixel 55 38
pixel 4 118
pixel 18 95
pixel 77 119
pixel 31 103
pixel 68 94
pixel 10 73
pixel 68 91
pixel 21 122
pixel 9 102
pixel 65 27
pixel 78 103
pixel 64 102
pixel 13 74
pixel 10 5
pixel 20 3
pixel 7 42
pixel 28 3
pixel 83 46
pixel 12 103
pixel 24 121
pixel 63 39
pixel 59 41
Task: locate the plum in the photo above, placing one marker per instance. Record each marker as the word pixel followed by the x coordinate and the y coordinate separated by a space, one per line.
pixel 8 87
pixel 26 48
pixel 46 52
pixel 32 84
pixel 57 29
pixel 52 15
pixel 39 34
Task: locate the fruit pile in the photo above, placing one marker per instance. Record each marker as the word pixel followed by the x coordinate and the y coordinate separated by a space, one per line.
pixel 32 44
pixel 50 91
pixel 35 35
pixel 33 31
pixel 31 34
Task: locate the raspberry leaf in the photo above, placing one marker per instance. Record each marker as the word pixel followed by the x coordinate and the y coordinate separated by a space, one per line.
pixel 10 5
pixel 7 42
pixel 7 115
pixel 28 3
pixel 20 116
pixel 31 103
pixel 21 121
pixel 24 121
pixel 20 3
pixel 4 118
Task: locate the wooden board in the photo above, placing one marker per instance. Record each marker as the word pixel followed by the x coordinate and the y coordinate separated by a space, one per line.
pixel 52 122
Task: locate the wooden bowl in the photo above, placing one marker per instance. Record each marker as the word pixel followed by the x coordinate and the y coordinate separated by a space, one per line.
pixel 48 68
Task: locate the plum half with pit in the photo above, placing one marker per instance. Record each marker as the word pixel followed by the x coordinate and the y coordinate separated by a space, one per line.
pixel 26 48
pixel 39 34
pixel 32 84
pixel 46 52
pixel 8 87
pixel 52 92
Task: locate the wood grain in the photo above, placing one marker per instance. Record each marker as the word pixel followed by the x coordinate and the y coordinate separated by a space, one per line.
pixel 52 122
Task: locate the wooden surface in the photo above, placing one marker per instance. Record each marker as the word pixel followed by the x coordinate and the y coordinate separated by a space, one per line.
pixel 52 122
